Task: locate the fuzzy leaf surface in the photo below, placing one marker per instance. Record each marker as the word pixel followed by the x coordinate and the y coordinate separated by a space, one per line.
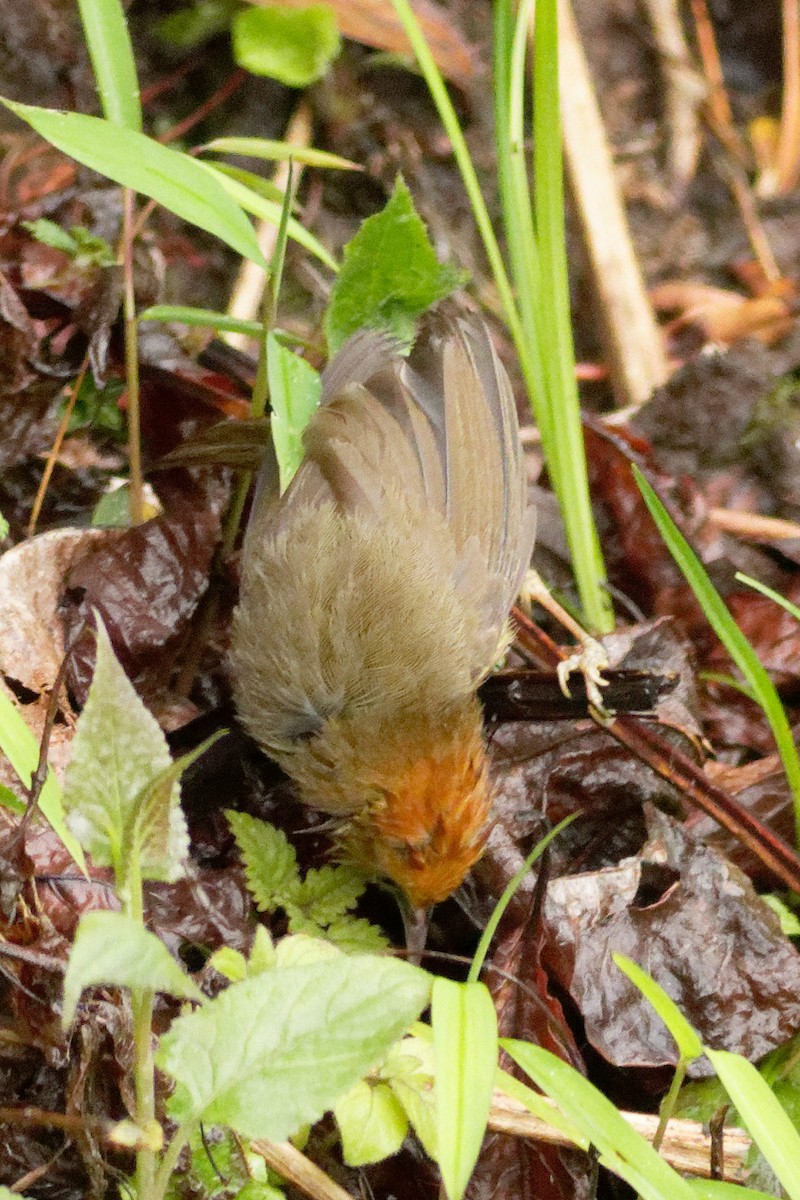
pixel 111 948
pixel 121 792
pixel 276 1051
pixel 390 275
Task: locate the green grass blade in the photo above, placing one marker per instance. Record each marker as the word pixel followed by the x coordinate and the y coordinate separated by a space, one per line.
pixel 111 52
pixel 622 1149
pixel 272 151
pixel 268 210
pixel 764 1118
pixel 502 904
pixel 566 455
pixel 792 609
pixel 687 1041
pixel 202 317
pixel 447 116
pixel 731 636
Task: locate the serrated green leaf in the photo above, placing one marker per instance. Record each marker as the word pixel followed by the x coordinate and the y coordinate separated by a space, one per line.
pixel 622 1149
pixel 762 1115
pixel 111 948
pixel 687 1041
pixel 294 392
pixel 263 956
pixel 294 46
pixel 276 1051
pixel 329 892
pixel 174 180
pixel 270 863
pixel 372 1123
pixel 159 829
pixel 390 275
pixel 356 935
pixel 465 1064
pixel 117 751
pixel 21 749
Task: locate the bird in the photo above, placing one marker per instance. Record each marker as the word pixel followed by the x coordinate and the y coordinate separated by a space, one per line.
pixel 375 597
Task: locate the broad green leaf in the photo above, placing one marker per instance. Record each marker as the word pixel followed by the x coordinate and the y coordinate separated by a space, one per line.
pixel 689 1044
pixel 622 1149
pixel 264 148
pixel 294 46
pixel 294 392
pixel 277 1051
pixel 173 179
pixel 7 1194
pixel 371 1121
pixel 270 863
pixel 109 43
pixel 111 948
pixel 390 275
pixel 762 1115
pixel 465 1063
pixel 118 755
pixel 21 749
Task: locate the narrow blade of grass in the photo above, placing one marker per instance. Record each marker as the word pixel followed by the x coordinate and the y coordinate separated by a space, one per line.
pixel 731 636
pixel 111 52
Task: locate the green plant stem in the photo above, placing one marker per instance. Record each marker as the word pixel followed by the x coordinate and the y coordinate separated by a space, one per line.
pixel 129 887
pixel 144 1085
pixel 570 478
pixel 504 901
pixel 135 492
pixel 669 1102
pixel 169 1162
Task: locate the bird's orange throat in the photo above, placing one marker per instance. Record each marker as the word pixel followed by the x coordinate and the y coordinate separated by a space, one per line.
pixel 427 825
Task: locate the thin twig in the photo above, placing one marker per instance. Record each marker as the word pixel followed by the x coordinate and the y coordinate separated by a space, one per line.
pixel 55 449
pixel 636 350
pixel 683 90
pixel 686 1145
pixel 787 157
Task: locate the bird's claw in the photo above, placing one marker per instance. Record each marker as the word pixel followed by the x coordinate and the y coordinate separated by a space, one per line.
pixel 591 660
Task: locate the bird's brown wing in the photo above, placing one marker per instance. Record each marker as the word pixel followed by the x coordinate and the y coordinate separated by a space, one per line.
pixel 436 432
